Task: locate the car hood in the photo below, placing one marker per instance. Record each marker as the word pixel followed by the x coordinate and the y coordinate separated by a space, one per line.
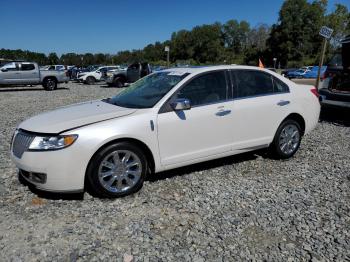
pixel 73 116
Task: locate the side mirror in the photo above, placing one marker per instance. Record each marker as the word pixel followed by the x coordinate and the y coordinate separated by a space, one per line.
pixel 181 104
pixel 3 69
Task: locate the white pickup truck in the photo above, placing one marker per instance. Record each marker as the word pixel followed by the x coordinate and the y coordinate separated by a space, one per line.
pixel 28 73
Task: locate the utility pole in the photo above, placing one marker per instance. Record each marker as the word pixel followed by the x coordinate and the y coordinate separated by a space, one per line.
pixel 326 32
pixel 167 49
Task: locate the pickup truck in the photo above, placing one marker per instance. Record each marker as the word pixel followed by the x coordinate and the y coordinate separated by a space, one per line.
pixel 28 73
pixel 133 73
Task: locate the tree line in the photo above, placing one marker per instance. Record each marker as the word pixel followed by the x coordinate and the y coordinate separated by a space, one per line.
pixel 292 41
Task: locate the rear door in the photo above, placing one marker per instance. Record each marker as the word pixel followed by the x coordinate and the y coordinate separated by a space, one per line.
pixel 29 73
pixel 261 102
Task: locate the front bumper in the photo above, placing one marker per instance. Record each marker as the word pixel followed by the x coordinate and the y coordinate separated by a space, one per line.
pixel 55 171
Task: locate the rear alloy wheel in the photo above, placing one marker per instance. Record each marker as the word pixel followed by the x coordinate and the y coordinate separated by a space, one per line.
pixel 50 84
pixel 117 170
pixel 287 139
pixel 90 80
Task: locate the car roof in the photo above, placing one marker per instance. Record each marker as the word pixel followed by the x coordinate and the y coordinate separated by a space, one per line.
pixel 203 69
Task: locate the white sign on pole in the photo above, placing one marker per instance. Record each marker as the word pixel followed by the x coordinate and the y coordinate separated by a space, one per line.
pixel 167 49
pixel 326 32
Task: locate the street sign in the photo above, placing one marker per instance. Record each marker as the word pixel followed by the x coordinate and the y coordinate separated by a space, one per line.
pixel 326 32
pixel 167 49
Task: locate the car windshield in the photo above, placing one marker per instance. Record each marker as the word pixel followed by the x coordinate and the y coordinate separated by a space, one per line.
pixel 147 91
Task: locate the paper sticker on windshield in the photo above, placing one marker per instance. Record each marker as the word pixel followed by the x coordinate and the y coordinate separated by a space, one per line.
pixel 176 73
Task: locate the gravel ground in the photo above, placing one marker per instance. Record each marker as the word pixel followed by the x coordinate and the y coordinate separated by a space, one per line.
pixel 244 207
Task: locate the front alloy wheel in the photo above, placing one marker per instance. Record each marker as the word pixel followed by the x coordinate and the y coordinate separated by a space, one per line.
pixel 116 170
pixel 119 171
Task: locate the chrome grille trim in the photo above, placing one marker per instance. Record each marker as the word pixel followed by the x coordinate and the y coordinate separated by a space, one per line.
pixel 21 143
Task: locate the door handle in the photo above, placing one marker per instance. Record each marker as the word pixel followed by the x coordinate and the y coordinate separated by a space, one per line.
pixel 283 103
pixel 223 112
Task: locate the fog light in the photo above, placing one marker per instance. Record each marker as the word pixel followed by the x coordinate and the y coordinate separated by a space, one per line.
pixel 34 177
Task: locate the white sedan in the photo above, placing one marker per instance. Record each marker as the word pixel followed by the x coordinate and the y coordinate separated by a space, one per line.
pixel 172 118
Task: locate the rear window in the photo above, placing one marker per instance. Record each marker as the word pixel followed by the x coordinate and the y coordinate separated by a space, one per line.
pixel 27 67
pixel 251 83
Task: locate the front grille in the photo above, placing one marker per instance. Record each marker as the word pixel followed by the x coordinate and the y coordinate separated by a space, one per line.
pixel 21 143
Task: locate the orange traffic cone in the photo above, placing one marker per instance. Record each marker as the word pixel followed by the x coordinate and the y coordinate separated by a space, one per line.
pixel 261 65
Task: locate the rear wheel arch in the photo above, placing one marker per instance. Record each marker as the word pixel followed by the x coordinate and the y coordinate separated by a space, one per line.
pixel 299 119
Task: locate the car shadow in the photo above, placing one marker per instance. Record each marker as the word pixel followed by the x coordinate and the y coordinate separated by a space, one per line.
pixel 336 116
pixel 19 89
pixel 226 161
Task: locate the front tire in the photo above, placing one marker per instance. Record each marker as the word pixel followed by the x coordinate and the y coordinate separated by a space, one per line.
pixel 287 139
pixel 117 170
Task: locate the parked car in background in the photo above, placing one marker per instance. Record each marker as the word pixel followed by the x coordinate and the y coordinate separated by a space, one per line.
pixel 95 75
pixel 336 88
pixel 299 73
pixel 287 70
pixel 314 71
pixel 133 73
pixel 28 73
pixel 172 118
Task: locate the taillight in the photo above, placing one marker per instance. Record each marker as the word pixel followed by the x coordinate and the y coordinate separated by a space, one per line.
pixel 315 92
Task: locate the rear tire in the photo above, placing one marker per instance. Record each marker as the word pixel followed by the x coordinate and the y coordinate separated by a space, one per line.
pixel 90 80
pixel 287 140
pixel 119 82
pixel 117 170
pixel 50 84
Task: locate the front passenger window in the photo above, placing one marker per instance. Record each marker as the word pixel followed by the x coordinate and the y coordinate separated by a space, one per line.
pixel 206 89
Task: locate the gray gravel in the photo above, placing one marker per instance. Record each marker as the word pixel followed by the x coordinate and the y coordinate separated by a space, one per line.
pixel 244 207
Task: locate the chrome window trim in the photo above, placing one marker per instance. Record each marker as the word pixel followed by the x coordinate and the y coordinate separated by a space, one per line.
pixel 166 108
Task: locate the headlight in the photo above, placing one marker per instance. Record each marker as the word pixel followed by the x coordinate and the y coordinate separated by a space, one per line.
pixel 52 142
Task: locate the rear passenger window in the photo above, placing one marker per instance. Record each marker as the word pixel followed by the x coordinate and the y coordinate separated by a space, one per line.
pixel 252 83
pixel 27 67
pixel 279 86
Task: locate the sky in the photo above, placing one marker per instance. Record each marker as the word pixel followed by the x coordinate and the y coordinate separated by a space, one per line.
pixel 109 26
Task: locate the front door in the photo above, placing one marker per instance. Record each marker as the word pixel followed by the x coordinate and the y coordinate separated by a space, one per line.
pixel 203 130
pixel 9 74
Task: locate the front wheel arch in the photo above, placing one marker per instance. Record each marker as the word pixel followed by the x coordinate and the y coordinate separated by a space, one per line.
pixel 143 147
